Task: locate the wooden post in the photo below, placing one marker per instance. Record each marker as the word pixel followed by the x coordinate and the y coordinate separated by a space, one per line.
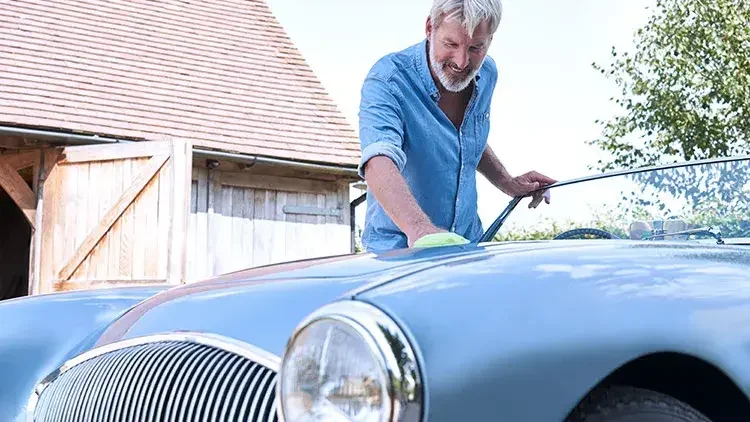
pixel 182 159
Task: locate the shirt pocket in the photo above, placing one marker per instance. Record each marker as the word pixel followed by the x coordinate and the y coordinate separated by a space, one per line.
pixel 482 129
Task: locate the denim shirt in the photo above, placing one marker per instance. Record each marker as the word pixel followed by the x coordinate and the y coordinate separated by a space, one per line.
pixel 399 118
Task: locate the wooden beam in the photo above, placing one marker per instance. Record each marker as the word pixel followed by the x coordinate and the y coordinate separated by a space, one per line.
pixel 148 173
pixel 70 285
pixel 327 212
pixel 89 153
pixel 51 157
pixel 21 160
pixel 19 191
pixel 290 184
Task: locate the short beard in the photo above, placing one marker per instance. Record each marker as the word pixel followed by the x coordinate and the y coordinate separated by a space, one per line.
pixel 449 83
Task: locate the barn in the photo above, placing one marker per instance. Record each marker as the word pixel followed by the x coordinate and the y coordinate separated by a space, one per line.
pixel 162 141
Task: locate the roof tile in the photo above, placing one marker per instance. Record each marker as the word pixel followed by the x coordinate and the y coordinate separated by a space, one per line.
pixel 222 73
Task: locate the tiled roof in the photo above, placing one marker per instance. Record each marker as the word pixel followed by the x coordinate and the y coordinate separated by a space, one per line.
pixel 222 73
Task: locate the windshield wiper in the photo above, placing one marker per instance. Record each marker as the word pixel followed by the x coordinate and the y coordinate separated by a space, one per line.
pixel 703 230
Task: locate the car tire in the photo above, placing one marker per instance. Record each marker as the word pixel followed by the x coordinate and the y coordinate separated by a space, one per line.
pixel 630 404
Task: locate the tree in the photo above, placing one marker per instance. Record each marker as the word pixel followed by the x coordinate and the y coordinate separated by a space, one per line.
pixel 685 90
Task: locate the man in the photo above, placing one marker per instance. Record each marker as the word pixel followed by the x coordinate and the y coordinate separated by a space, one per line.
pixel 424 121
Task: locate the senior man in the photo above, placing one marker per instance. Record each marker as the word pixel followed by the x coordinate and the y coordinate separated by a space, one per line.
pixel 423 121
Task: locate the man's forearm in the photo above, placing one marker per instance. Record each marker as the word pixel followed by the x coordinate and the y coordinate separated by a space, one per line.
pixel 394 195
pixel 491 168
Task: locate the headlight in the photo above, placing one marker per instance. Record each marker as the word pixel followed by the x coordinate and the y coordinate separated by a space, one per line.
pixel 349 362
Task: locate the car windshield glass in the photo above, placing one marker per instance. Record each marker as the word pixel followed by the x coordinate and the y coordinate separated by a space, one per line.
pixel 643 205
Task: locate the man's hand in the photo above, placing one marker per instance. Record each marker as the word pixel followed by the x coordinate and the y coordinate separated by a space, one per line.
pixel 495 172
pixel 527 183
pixel 421 231
pixel 440 239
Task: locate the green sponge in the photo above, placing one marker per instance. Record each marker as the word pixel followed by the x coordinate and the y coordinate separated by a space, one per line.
pixel 440 239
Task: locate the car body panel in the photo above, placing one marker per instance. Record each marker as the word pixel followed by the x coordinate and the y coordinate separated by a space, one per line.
pixel 39 333
pixel 646 297
pixel 254 298
pixel 263 314
pixel 487 347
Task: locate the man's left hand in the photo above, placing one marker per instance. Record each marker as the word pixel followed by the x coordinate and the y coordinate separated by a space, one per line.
pixel 527 183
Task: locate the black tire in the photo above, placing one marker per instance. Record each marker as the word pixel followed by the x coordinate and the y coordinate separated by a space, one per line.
pixel 629 404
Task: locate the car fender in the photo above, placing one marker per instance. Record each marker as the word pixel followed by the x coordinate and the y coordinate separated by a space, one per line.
pixel 501 333
pixel 39 333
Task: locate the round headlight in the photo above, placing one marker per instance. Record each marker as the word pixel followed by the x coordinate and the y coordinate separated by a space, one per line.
pixel 349 362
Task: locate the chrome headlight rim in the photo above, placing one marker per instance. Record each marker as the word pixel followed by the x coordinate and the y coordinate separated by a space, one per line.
pixel 403 378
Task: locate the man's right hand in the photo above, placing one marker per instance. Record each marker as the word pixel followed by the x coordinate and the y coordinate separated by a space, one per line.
pixel 421 231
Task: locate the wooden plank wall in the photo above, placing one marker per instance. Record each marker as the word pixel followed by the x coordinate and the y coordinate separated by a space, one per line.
pixel 238 220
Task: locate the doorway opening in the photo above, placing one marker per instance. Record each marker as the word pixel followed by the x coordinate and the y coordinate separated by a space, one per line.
pixel 15 245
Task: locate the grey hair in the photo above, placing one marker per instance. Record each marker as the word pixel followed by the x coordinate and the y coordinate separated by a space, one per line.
pixel 469 12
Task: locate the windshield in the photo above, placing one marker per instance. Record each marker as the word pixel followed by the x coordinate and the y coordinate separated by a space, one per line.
pixel 647 204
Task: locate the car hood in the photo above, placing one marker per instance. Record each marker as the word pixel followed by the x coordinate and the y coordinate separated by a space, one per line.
pixel 263 305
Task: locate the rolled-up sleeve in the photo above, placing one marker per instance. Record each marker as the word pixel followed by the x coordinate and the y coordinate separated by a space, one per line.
pixel 381 128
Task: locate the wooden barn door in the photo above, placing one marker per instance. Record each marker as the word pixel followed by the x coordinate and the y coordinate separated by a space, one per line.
pixel 115 215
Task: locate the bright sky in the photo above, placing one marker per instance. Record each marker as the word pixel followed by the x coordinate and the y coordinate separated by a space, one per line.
pixel 548 94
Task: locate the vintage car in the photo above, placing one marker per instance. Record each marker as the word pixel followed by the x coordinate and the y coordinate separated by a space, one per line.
pixel 632 303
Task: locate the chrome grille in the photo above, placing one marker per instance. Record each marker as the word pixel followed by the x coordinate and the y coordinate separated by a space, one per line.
pixel 196 378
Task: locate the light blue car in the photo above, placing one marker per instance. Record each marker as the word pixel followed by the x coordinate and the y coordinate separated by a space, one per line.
pixel 625 299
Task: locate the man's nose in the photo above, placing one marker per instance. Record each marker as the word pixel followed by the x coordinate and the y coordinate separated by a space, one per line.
pixel 461 59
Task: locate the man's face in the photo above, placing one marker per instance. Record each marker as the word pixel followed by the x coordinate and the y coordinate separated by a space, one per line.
pixel 455 56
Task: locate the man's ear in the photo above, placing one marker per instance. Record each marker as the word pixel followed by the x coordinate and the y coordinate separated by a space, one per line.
pixel 428 27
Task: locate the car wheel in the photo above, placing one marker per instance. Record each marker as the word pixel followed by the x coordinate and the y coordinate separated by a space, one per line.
pixel 629 404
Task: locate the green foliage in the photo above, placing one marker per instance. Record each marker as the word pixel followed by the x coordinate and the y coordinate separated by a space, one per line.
pixel 358 248
pixel 617 221
pixel 685 90
pixel 733 224
pixel 614 221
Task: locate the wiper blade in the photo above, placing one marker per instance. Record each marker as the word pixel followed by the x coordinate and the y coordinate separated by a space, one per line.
pixel 703 230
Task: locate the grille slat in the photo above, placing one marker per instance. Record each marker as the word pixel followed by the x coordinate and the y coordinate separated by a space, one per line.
pixel 156 413
pixel 254 410
pixel 251 391
pixel 162 379
pixel 226 407
pixel 161 365
pixel 200 386
pixel 104 371
pixel 216 390
pixel 231 374
pixel 120 393
pixel 182 388
pixel 204 402
pixel 242 391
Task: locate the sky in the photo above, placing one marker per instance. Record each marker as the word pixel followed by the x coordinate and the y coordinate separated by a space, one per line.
pixel 548 95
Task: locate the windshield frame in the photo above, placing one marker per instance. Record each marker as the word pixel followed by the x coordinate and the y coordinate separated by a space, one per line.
pixel 496 225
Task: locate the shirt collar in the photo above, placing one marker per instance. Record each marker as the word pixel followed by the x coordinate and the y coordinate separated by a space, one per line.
pixel 421 56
